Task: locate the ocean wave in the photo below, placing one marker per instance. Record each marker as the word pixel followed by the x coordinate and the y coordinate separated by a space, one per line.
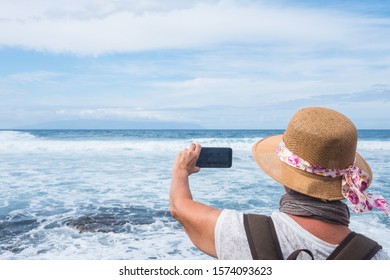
pixel 18 142
pixel 374 145
pixel 16 136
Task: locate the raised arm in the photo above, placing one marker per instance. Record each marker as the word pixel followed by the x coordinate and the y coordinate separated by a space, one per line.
pixel 197 219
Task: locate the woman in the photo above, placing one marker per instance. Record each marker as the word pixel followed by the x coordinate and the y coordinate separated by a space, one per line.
pixel 316 160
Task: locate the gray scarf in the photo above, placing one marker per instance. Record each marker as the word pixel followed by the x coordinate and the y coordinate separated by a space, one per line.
pixel 334 212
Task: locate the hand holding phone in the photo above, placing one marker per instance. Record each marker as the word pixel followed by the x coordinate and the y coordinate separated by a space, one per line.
pixel 215 157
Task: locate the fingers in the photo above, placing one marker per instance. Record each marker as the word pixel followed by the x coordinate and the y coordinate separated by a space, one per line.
pixel 193 151
pixel 186 159
pixel 198 147
pixel 193 147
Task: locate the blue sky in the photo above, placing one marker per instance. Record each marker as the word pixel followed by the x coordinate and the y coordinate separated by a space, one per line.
pixel 212 64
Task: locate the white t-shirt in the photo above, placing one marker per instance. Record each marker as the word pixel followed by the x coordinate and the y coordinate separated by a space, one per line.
pixel 232 244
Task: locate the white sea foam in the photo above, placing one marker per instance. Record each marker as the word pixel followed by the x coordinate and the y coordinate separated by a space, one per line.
pixel 20 142
pixel 15 142
pixel 15 136
pixel 374 145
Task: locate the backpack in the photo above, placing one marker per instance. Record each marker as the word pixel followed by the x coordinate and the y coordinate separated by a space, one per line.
pixel 264 244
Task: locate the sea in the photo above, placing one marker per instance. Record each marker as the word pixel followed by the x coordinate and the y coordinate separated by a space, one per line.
pixel 104 194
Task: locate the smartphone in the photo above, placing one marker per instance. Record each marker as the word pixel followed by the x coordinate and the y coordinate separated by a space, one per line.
pixel 215 157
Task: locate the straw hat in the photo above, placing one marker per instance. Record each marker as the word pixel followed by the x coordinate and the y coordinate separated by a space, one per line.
pixel 322 137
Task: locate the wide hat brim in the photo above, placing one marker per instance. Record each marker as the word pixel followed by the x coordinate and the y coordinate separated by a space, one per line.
pixel 326 188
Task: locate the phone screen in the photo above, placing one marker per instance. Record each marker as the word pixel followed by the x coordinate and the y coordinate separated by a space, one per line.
pixel 215 157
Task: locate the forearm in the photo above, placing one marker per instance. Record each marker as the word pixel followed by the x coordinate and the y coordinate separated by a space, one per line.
pixel 180 193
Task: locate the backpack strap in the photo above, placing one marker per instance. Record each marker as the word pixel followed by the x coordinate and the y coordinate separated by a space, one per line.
pixel 264 244
pixel 355 247
pixel 262 239
pixel 294 255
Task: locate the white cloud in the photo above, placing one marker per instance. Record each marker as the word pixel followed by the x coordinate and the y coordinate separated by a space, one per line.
pixel 240 92
pixel 96 27
pixel 86 9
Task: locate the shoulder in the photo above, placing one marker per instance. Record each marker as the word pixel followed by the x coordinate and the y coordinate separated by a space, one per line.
pixel 229 217
pixel 230 236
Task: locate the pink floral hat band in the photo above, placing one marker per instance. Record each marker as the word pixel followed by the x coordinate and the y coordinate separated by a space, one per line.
pixel 353 184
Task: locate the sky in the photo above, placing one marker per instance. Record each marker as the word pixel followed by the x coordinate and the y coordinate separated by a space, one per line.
pixel 214 64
